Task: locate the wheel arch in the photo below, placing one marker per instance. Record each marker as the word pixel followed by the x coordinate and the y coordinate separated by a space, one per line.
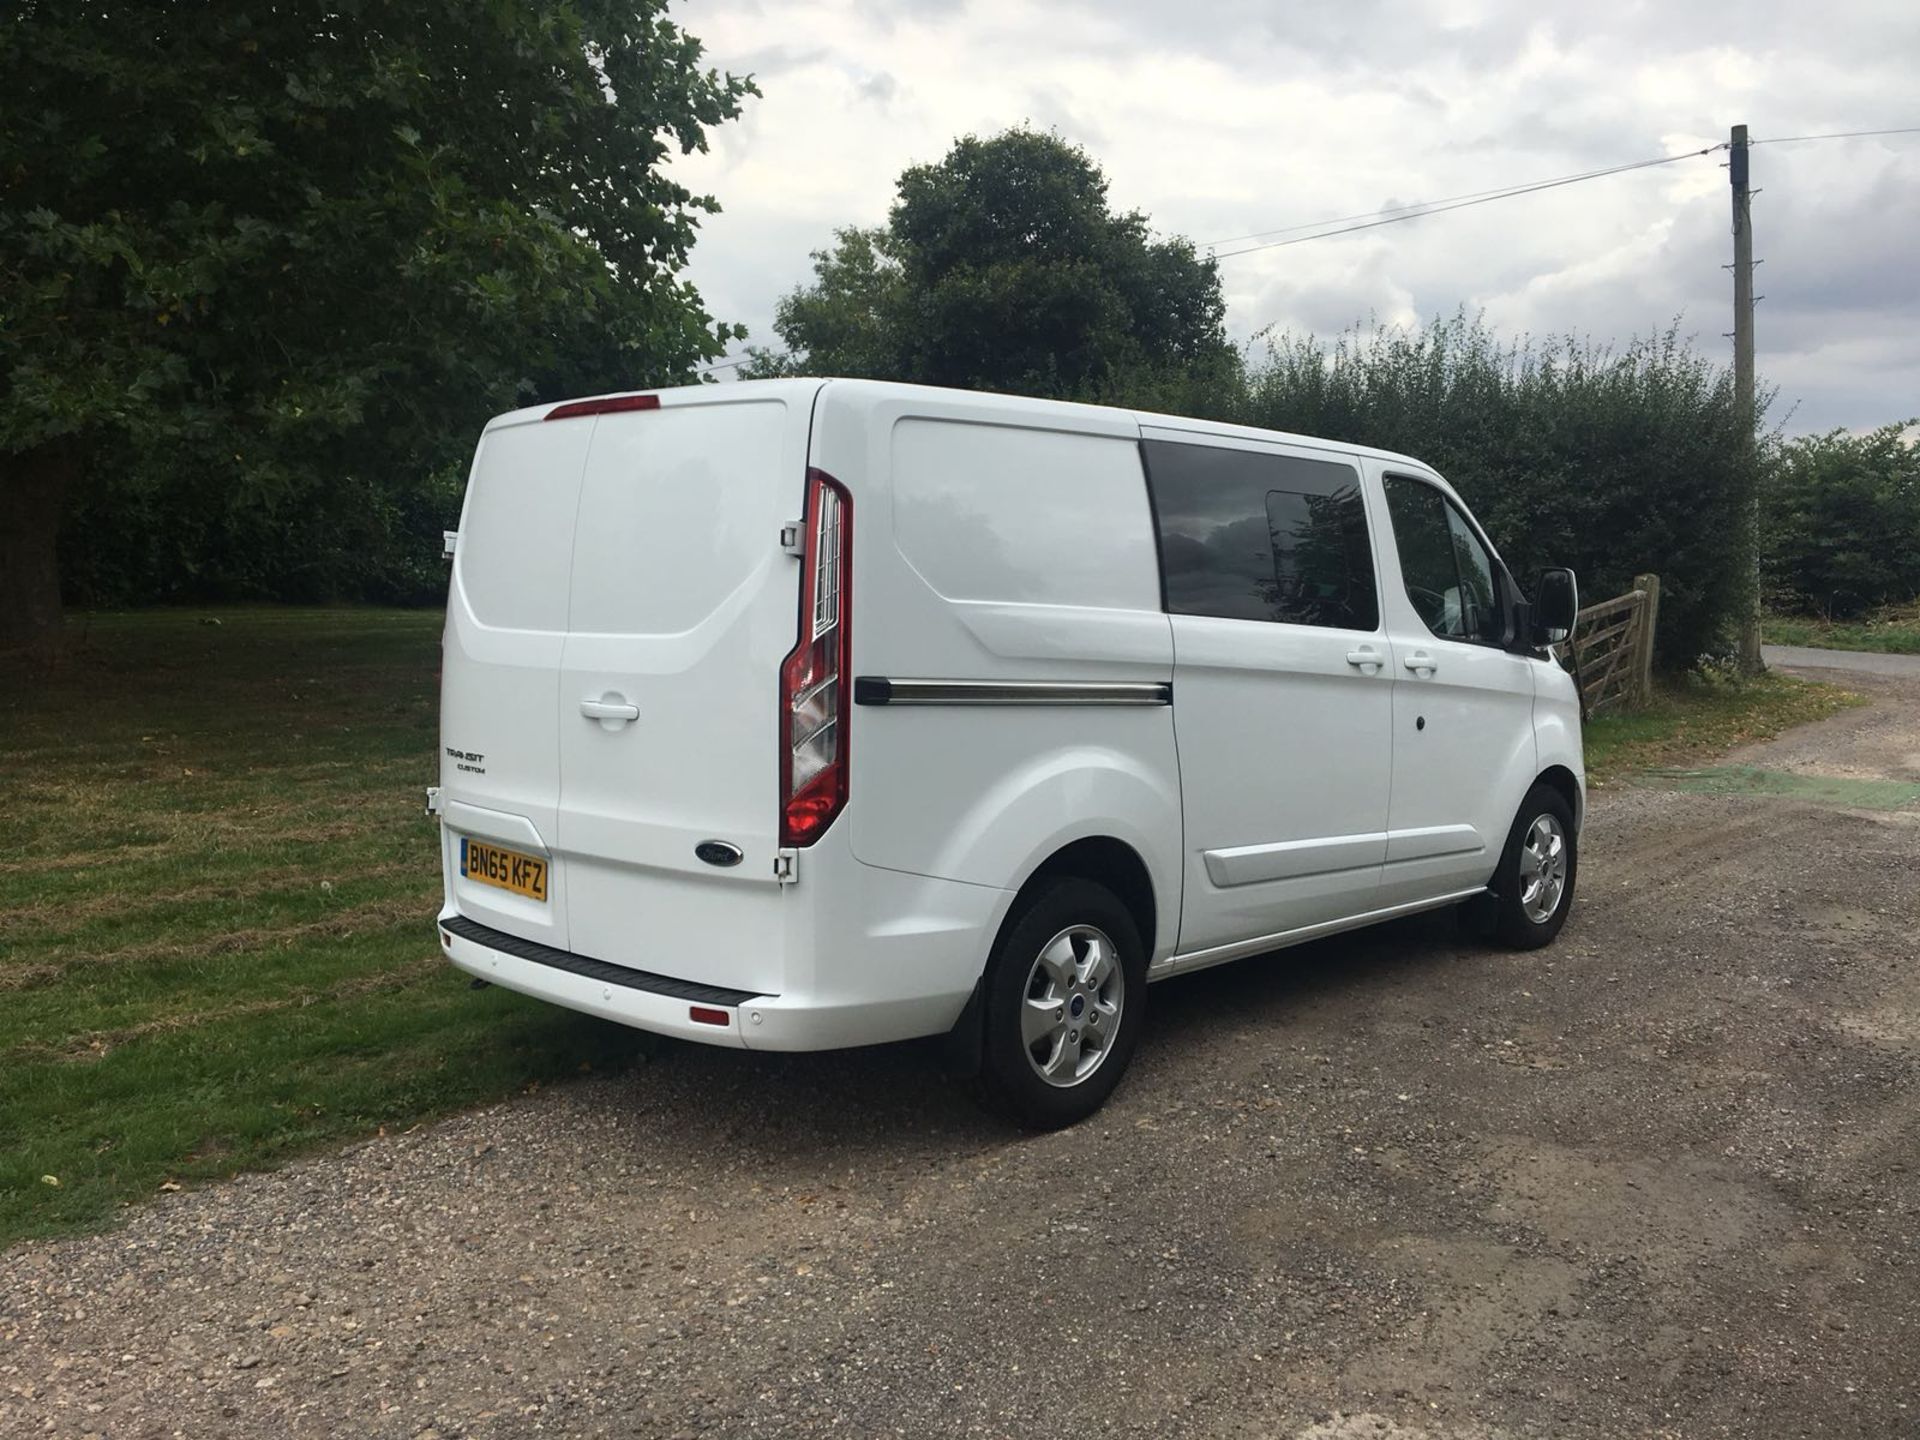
pixel 1104 859
pixel 1567 784
pixel 1107 861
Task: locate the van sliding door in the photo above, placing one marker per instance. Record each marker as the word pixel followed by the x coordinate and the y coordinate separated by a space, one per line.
pixel 1282 684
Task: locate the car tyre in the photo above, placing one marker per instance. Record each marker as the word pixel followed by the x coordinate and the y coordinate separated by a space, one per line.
pixel 1532 889
pixel 1064 1000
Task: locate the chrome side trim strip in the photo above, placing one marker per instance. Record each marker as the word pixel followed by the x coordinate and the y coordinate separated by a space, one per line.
pixel 880 690
pixel 1220 954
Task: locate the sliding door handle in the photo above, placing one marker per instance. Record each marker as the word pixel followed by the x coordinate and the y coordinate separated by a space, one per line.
pixel 1420 662
pixel 1365 659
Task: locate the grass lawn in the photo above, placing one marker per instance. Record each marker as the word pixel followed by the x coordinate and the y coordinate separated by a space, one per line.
pixel 1895 630
pixel 216 910
pixel 216 901
pixel 1692 719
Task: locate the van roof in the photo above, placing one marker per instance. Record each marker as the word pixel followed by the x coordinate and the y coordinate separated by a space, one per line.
pixel 737 390
pixel 1060 409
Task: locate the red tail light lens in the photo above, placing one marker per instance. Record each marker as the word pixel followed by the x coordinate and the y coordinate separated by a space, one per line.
pixel 610 405
pixel 813 678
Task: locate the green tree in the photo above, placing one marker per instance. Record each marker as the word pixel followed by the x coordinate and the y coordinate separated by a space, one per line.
pixel 1841 521
pixel 1004 267
pixel 265 269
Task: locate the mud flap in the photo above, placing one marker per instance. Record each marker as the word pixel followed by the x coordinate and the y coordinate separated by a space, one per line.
pixel 964 1044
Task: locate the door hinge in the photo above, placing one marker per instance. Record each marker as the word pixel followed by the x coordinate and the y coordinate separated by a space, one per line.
pixel 790 540
pixel 449 542
pixel 433 799
pixel 786 866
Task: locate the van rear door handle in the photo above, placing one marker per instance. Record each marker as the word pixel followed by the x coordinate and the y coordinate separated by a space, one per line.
pixel 1365 657
pixel 1420 660
pixel 612 708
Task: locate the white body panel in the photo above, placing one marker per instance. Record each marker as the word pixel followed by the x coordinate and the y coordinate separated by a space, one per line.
pixel 1463 744
pixel 620 608
pixel 1274 844
pixel 1014 544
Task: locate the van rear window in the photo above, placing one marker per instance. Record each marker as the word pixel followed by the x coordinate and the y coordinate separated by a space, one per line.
pixel 516 533
pixel 675 513
pixel 1254 535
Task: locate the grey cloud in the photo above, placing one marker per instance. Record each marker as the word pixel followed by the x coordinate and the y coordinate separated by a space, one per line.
pixel 1838 332
pixel 879 87
pixel 1406 39
pixel 775 60
pixel 1413 109
pixel 1341 35
pixel 1861 254
pixel 1048 110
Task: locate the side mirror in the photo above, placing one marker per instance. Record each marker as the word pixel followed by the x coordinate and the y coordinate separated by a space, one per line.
pixel 1556 606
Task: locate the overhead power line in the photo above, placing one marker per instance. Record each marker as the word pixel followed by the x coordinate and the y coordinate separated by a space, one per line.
pixel 1834 135
pixel 1498 190
pixel 1396 214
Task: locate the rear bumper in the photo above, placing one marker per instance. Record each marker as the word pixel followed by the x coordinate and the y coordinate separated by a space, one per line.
pixel 811 1020
pixel 486 955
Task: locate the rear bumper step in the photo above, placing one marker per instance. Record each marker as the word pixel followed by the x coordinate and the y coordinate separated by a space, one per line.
pixel 585 965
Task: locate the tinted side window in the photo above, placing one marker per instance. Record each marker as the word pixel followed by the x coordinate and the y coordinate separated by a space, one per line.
pixel 1448 572
pixel 1251 536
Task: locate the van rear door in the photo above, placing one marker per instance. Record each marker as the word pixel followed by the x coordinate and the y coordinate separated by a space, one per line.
pixel 500 677
pixel 681 607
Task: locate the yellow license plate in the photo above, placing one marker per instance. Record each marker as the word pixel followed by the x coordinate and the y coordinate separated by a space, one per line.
pixel 505 869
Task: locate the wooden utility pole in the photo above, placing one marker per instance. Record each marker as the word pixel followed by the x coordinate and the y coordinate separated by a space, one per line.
pixel 1743 387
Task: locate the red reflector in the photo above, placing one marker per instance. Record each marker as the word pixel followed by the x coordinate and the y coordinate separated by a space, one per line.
pixel 608 406
pixel 706 1015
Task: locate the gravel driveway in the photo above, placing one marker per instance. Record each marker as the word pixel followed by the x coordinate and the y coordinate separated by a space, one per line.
pixel 1661 1180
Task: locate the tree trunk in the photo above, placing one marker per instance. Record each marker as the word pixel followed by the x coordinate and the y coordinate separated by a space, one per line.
pixel 33 492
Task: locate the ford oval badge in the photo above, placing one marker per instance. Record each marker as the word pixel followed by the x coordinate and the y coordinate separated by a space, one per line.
pixel 718 852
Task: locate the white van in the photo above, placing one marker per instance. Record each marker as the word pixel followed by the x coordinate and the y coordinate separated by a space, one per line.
pixel 800 714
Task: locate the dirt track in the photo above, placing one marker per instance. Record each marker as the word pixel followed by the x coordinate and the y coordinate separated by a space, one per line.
pixel 1663 1179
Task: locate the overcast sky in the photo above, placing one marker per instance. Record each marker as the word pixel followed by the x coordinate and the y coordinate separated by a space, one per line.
pixel 1219 118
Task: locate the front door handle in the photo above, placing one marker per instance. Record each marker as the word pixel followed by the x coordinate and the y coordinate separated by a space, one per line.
pixel 1364 657
pixel 610 710
pixel 1420 661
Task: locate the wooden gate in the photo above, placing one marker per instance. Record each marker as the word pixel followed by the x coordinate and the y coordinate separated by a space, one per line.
pixel 1614 643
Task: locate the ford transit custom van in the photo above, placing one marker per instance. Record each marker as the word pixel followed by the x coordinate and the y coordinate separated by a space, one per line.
pixel 798 714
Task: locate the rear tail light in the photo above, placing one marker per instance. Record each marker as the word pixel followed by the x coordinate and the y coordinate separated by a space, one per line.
pixel 813 679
